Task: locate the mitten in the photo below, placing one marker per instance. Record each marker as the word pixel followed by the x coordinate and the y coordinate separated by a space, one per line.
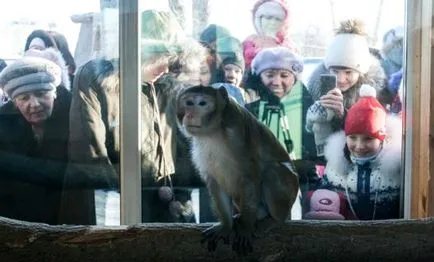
pixel 325 205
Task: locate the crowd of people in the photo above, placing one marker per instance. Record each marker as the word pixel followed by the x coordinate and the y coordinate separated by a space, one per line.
pixel 59 125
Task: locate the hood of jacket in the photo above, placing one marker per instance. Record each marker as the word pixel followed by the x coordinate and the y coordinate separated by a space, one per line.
pixel 282 35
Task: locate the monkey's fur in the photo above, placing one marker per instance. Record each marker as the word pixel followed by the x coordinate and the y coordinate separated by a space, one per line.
pixel 242 163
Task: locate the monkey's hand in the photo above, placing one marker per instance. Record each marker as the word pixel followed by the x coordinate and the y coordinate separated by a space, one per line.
pixel 244 232
pixel 214 234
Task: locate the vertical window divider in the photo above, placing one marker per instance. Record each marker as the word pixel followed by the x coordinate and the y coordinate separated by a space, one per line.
pixel 130 120
pixel 417 116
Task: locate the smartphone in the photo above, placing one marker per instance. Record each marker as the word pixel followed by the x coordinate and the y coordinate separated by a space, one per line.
pixel 327 83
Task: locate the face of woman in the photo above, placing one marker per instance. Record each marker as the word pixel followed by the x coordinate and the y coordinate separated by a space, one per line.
pixel 278 81
pixel 37 43
pixel 346 78
pixel 36 106
pixel 361 145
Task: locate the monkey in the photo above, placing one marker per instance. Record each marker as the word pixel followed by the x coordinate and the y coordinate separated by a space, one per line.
pixel 243 165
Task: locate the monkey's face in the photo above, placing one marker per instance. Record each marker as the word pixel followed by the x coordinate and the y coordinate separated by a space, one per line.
pixel 197 113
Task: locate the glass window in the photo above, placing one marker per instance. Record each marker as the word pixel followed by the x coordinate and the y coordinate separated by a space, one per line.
pixel 309 111
pixel 105 144
pixel 58 126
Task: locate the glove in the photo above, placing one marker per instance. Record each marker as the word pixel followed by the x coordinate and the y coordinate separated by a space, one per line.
pixel 325 205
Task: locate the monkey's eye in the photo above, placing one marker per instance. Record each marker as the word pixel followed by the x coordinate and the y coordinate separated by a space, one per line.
pixel 189 103
pixel 202 103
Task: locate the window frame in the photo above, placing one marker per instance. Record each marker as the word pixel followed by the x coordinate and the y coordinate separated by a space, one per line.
pixel 372 240
pixel 130 115
pixel 418 123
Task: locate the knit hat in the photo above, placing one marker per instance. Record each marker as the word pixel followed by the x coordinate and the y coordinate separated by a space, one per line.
pixel 30 74
pixel 325 205
pixel 212 33
pixel 160 35
pixel 230 50
pixel 277 58
pixel 161 25
pixel 234 59
pixel 349 48
pixel 367 116
pixel 271 8
pixel 55 56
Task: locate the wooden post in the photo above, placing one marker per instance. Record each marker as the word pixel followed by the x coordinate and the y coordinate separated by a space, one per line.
pixel 418 115
pixel 431 124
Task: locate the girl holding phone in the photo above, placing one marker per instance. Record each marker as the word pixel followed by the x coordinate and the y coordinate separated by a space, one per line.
pixel 350 60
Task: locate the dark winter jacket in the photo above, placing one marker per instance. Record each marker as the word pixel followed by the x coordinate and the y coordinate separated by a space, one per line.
pixel 31 174
pixel 295 105
pixel 94 135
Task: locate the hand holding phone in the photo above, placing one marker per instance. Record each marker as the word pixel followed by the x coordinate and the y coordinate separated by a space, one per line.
pixel 327 83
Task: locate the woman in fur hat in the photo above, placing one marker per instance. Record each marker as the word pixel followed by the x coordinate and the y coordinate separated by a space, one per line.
pixel 348 57
pixel 273 86
pixel 280 101
pixel 364 161
pixel 34 127
pixel 271 22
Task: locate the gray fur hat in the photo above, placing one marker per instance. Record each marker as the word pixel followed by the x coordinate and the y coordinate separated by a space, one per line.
pixel 30 74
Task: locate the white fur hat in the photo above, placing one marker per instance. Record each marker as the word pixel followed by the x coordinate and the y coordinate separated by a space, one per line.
pixel 270 8
pixel 349 50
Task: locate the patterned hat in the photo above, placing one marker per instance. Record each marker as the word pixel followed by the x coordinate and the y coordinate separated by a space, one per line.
pixel 30 74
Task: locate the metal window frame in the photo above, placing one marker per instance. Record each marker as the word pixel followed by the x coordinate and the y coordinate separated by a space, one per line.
pixel 130 120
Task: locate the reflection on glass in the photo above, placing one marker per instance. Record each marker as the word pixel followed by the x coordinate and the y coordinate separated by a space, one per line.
pixel 59 118
pixel 47 178
pixel 93 173
pixel 301 79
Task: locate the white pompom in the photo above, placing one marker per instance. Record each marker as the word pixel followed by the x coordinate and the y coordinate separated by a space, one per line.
pixel 367 90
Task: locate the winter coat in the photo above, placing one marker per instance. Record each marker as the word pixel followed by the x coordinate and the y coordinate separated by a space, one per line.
pixel 321 122
pixel 32 173
pixel 373 189
pixel 94 135
pixel 255 42
pixel 295 105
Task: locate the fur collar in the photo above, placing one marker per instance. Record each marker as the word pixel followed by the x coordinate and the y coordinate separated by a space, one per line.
pixel 374 77
pixel 388 160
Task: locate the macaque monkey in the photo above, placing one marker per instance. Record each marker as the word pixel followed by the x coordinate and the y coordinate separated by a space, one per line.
pixel 243 165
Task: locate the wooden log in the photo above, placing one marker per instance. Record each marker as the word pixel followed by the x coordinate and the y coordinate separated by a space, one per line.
pixel 393 240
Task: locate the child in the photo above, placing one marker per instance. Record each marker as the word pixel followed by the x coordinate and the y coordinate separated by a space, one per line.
pixel 364 161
